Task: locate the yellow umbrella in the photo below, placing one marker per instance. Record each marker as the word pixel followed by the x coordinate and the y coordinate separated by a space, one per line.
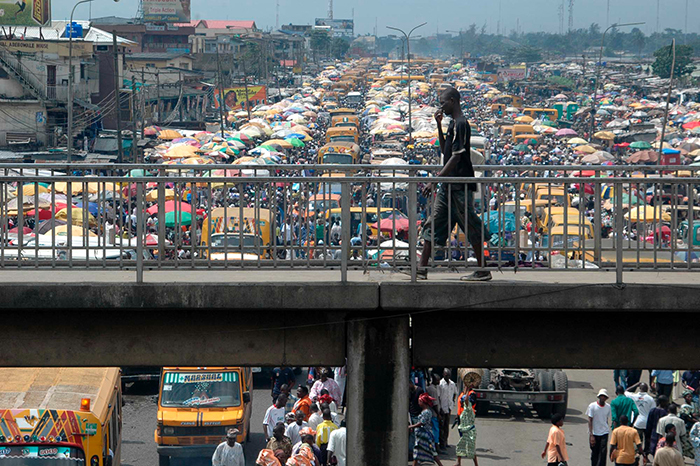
pixel 169 134
pixel 62 230
pixel 281 142
pixel 647 214
pixel 243 160
pixel 577 141
pixel 77 216
pixel 31 189
pixel 694 153
pixel 524 119
pixel 180 151
pixel 62 187
pixel 604 135
pixel 586 149
pixel 666 145
pixel 152 196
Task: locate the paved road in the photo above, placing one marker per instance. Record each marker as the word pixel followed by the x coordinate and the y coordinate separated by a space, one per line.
pixel 508 435
pixel 138 445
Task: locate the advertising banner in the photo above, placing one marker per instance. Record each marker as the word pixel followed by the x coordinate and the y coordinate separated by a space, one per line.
pixel 61 48
pixel 235 96
pixel 345 27
pixel 166 11
pixel 25 12
pixel 512 74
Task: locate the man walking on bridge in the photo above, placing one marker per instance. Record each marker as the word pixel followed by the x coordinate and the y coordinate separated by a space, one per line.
pixel 455 202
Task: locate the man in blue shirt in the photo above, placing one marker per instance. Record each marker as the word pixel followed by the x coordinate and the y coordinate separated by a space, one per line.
pixel 662 382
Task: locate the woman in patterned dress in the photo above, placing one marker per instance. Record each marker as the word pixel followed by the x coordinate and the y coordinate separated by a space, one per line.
pixel 466 448
pixel 424 449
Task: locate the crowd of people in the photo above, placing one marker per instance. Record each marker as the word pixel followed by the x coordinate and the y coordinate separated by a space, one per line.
pixel 304 428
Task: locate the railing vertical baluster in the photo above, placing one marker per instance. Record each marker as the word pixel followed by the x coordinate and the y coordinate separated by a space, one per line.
pixel 412 228
pixel 139 231
pixel 345 226
pixel 619 218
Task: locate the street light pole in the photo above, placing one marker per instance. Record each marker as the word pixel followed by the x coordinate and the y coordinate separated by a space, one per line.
pixel 408 52
pixel 69 146
pixel 597 74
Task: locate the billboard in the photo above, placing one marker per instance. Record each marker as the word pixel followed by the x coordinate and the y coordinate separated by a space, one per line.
pixel 166 11
pixel 512 74
pixel 235 96
pixel 342 27
pixel 25 12
pixel 80 48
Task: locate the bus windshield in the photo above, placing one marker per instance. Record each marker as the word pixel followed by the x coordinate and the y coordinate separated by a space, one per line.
pixel 195 389
pixel 337 158
pixel 48 455
pixel 233 240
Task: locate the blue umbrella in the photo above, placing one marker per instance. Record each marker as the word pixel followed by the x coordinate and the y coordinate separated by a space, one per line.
pixel 92 207
pixel 670 151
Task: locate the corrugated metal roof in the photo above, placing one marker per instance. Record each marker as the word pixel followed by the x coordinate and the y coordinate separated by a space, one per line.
pixel 58 28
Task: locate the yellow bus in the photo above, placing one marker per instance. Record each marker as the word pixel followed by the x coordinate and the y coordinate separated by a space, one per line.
pixel 551 113
pixel 521 129
pixel 343 152
pixel 60 415
pixel 343 111
pixel 197 405
pixel 342 133
pixel 225 237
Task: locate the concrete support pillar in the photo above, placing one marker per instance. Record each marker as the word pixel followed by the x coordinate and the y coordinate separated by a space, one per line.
pixel 377 391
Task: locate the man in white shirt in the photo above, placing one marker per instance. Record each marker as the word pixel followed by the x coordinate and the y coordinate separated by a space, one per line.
pixel 337 445
pixel 315 418
pixel 599 414
pixel 645 403
pixel 447 391
pixel 672 418
pixel 229 453
pixel 293 430
pixel 273 415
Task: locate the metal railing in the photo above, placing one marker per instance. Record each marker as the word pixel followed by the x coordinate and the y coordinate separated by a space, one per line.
pixel 529 218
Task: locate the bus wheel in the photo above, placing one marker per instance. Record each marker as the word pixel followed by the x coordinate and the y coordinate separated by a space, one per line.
pixel 163 460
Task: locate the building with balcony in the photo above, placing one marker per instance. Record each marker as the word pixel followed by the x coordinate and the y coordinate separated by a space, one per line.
pixel 223 36
pixel 34 76
pixel 150 38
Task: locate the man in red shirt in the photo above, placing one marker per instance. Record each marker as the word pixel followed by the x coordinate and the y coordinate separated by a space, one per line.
pixel 555 448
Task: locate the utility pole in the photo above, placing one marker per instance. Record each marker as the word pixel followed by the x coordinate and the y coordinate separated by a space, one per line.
pixel 245 84
pixel 158 118
pixel 221 92
pixel 179 74
pixel 117 95
pixel 134 137
pixel 143 110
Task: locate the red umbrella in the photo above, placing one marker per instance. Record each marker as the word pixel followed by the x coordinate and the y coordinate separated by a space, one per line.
pixel 25 230
pixel 692 124
pixel 171 206
pixel 387 224
pixel 152 240
pixel 584 173
pixel 44 214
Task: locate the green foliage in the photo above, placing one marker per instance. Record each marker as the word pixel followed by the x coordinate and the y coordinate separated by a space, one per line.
pixel 339 47
pixel 664 58
pixel 562 82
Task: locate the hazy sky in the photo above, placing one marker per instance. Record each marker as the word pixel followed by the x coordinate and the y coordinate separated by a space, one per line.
pixel 530 15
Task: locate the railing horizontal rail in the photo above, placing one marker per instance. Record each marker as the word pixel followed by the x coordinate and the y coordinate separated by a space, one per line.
pixel 287 217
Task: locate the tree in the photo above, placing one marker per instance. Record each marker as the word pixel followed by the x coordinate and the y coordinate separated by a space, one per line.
pixel 637 40
pixel 339 47
pixel 320 42
pixel 664 57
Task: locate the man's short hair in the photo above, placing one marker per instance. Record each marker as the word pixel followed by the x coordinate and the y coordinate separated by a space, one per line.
pixel 670 439
pixel 624 420
pixel 673 408
pixel 313 408
pixel 669 427
pixel 620 390
pixel 452 93
pixel 556 417
pixel 304 388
